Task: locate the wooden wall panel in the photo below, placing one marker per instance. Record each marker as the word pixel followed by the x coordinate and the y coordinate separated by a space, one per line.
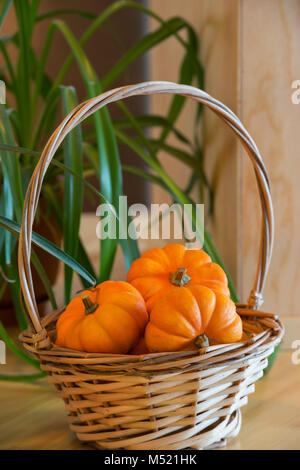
pixel 250 50
pixel 270 62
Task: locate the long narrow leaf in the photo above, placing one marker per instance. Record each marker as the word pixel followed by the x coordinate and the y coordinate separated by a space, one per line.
pixel 82 256
pixel 9 213
pixel 168 29
pixel 23 94
pixel 9 65
pixel 65 11
pixel 100 20
pixel 4 7
pixel 190 68
pixel 150 120
pixel 61 166
pixel 73 188
pixel 144 174
pixel 44 278
pixel 15 289
pixel 50 248
pixel 110 176
pixel 194 162
pixel 42 65
pixel 22 378
pixel 10 162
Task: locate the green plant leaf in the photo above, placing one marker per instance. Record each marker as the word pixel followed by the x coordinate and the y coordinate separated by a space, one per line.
pixel 91 153
pixel 191 183
pixel 136 126
pixel 182 199
pixel 15 289
pixel 82 256
pixel 190 68
pixel 61 166
pixel 50 248
pixel 168 29
pixel 4 7
pixel 195 162
pixel 9 66
pixel 41 65
pixel 150 120
pixel 10 163
pixel 23 91
pixel 110 176
pixel 46 116
pixel 7 212
pixel 65 11
pixel 73 188
pixel 17 149
pixel 44 278
pixel 145 175
pixel 100 20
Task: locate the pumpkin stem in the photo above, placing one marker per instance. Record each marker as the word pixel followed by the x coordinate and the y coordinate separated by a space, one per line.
pixel 90 306
pixel 201 341
pixel 180 277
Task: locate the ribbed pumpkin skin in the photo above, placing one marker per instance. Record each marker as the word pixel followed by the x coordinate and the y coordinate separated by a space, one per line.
pixel 115 326
pixel 150 273
pixel 183 314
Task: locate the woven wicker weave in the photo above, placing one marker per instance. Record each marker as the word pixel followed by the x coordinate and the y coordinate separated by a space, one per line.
pixel 177 400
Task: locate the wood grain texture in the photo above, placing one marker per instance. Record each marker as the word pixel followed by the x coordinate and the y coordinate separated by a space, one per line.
pixel 250 51
pixel 270 62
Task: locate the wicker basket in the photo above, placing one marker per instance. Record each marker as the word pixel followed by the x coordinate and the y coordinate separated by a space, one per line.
pixel 176 400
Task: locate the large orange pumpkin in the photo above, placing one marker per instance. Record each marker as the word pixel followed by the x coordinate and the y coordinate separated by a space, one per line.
pixel 160 270
pixel 109 318
pixel 189 316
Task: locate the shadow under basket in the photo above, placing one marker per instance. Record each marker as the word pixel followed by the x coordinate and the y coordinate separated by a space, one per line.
pixel 178 400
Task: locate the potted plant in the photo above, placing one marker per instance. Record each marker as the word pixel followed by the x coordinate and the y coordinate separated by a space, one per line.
pixel 34 103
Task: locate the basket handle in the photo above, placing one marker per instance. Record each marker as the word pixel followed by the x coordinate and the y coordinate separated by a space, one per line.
pixel 89 107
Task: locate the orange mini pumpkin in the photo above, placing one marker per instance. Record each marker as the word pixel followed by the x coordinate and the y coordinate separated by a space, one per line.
pixel 189 316
pixel 160 270
pixel 109 318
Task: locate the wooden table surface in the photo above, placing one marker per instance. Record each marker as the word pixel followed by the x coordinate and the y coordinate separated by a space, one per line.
pixel 33 417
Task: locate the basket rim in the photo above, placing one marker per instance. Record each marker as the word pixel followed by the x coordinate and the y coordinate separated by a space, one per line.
pixel 271 335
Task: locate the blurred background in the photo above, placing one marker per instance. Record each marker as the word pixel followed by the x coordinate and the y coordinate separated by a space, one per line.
pixel 55 54
pixel 250 54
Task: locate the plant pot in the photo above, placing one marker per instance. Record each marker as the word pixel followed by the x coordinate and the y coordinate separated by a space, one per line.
pixel 48 228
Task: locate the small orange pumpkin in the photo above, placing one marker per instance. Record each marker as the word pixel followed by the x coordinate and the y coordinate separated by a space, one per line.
pixel 191 316
pixel 160 270
pixel 109 318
